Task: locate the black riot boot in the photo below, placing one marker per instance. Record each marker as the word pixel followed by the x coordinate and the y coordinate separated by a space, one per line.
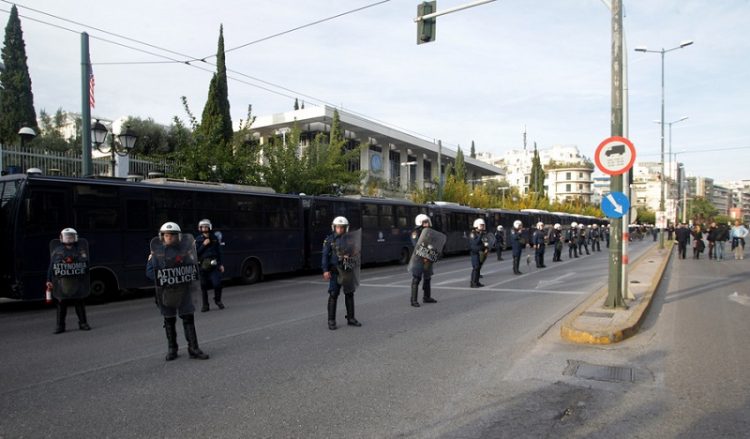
pixel 474 276
pixel 204 297
pixel 427 290
pixel 349 302
pixel 188 324
pixel 83 324
pixel 170 326
pixel 217 297
pixel 541 260
pixel 516 264
pixel 332 300
pixel 62 312
pixel 415 292
pixel 479 276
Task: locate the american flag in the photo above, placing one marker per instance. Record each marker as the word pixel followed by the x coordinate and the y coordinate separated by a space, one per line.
pixel 92 101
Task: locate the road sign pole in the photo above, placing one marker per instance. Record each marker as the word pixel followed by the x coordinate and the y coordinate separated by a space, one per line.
pixel 615 296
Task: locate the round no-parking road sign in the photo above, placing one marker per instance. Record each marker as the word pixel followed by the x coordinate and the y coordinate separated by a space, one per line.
pixel 615 155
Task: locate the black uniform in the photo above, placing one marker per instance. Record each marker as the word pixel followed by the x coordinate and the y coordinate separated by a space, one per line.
pixel 500 243
pixel 595 238
pixel 571 237
pixel 478 251
pixel 683 238
pixel 71 255
pixel 330 263
pixel 582 244
pixel 210 259
pixel 555 240
pixel 538 241
pixel 517 243
pixel 422 270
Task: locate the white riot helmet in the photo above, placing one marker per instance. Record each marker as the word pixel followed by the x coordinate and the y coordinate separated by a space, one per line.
pixel 421 218
pixel 479 222
pixel 69 235
pixel 499 228
pixel 340 221
pixel 169 227
pixel 573 224
pixel 580 226
pixel 517 224
pixel 540 225
pixel 558 227
pixel 205 222
pixel 595 226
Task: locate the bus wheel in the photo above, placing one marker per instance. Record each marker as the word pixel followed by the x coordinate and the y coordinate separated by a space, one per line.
pixel 403 259
pixel 251 272
pixel 102 285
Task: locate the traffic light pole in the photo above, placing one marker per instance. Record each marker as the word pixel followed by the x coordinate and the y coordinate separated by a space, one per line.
pixel 615 296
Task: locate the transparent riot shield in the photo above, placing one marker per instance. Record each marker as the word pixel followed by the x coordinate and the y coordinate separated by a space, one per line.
pixel 70 269
pixel 488 240
pixel 427 251
pixel 348 250
pixel 175 269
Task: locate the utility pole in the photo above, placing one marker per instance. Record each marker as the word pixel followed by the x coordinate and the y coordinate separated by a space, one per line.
pixel 615 296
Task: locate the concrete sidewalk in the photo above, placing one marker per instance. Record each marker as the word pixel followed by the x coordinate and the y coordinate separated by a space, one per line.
pixel 592 323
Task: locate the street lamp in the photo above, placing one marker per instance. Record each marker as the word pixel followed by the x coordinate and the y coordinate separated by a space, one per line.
pixel 27 135
pixel 126 140
pixel 670 178
pixel 663 52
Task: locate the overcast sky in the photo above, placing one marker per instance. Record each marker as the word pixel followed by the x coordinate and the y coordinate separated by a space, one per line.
pixel 492 70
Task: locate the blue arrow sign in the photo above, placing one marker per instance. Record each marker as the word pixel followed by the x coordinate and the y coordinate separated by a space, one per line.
pixel 615 204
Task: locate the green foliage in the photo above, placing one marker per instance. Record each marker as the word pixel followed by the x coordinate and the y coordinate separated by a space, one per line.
pixel 585 163
pixel 701 210
pixel 152 137
pixel 460 166
pixel 51 136
pixel 646 216
pixel 723 219
pixel 16 98
pixel 536 179
pixel 216 122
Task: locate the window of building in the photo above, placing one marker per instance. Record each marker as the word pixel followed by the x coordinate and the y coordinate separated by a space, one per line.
pixel 580 175
pixel 567 175
pixel 580 187
pixel 567 187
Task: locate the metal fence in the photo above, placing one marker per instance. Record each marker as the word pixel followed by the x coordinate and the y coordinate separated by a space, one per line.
pixel 15 159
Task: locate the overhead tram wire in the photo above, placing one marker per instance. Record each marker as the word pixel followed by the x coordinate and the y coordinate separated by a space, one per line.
pixel 190 61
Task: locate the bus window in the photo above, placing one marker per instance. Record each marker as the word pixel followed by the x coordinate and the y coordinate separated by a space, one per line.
pixel 370 216
pixel 249 211
pixel 90 195
pixel 97 218
pixel 386 217
pixel 402 217
pixel 46 211
pixel 321 216
pixel 134 216
pixel 281 213
pixel 8 192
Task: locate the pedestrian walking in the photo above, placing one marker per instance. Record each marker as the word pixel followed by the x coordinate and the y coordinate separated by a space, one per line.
pixel 738 234
pixel 341 267
pixel 68 277
pixel 211 262
pixel 682 234
pixel 172 266
pixel 698 244
pixel 711 237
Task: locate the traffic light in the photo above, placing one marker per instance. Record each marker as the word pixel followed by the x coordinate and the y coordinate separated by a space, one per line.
pixel 426 28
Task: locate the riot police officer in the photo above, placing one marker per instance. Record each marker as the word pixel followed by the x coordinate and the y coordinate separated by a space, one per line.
pixel 422 267
pixel 68 278
pixel 333 265
pixel 210 259
pixel 571 237
pixel 517 244
pixel 538 239
pixel 172 266
pixel 606 235
pixel 478 249
pixel 582 244
pixel 555 240
pixel 500 242
pixel 595 239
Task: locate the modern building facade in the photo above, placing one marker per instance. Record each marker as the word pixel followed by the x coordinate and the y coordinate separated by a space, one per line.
pixel 393 160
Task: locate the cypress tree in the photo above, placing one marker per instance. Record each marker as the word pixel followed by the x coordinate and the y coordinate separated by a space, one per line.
pixel 536 178
pixel 473 152
pixel 216 121
pixel 16 98
pixel 460 168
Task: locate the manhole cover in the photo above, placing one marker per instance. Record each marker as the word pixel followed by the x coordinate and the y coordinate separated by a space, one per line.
pixel 598 314
pixel 598 372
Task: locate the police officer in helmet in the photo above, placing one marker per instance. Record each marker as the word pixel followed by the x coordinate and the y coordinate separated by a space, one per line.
pixel 538 240
pixel 571 237
pixel 67 277
pixel 423 268
pixel 500 242
pixel 478 249
pixel 517 244
pixel 172 266
pixel 210 258
pixel 555 240
pixel 331 265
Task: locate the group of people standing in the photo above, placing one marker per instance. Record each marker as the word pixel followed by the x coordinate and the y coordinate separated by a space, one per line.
pixel 177 263
pixel 717 237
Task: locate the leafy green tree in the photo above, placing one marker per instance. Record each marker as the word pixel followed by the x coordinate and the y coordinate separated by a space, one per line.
pixel 285 170
pixel 153 138
pixel 51 137
pixel 460 166
pixel 701 210
pixel 216 122
pixel 16 98
pixel 536 179
pixel 646 216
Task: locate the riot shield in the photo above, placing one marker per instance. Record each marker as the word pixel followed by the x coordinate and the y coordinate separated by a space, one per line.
pixel 70 269
pixel 488 240
pixel 175 269
pixel 427 251
pixel 349 253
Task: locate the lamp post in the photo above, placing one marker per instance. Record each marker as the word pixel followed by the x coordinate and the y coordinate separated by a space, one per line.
pixel 662 52
pixel 126 140
pixel 27 135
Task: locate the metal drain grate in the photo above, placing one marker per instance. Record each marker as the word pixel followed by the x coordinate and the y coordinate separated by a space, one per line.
pixel 598 314
pixel 597 372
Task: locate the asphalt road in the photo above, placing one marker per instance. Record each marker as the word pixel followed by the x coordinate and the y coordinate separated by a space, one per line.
pixel 480 363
